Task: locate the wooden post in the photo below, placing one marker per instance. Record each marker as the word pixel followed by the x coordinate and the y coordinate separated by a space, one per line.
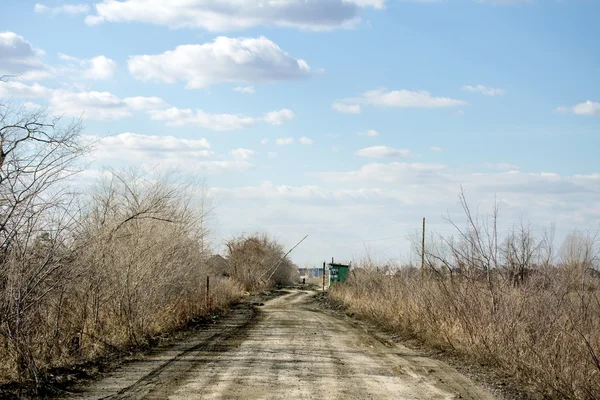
pixel 323 275
pixel 207 300
pixel 423 249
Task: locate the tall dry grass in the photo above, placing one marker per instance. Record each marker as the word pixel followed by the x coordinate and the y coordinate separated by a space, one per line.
pixel 516 305
pixel 129 268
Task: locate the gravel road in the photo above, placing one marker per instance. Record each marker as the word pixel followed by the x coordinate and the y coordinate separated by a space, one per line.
pixel 286 349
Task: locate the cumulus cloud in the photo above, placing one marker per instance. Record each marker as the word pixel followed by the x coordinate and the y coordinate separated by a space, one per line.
pixel 346 108
pixel 587 108
pixel 174 116
pixel 252 60
pixel 87 104
pixel 105 105
pixel 227 15
pixel 396 98
pixel 395 172
pixel 369 133
pixel 385 199
pixel 404 99
pixel 305 140
pixel 383 152
pixel 484 90
pixel 71 9
pixel 168 152
pixel 97 68
pixel 284 141
pixel 279 117
pixel 243 154
pixel 264 141
pixel 437 149
pixel 18 55
pixel 244 89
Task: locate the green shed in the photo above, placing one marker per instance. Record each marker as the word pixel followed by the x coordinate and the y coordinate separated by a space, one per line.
pixel 338 272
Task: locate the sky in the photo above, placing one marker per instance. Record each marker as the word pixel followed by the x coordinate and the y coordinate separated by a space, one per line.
pixel 345 120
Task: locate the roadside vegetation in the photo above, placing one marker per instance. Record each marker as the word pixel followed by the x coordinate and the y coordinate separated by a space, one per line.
pixel 514 303
pixel 116 266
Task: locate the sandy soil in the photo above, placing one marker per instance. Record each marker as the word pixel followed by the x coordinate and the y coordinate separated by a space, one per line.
pixel 286 349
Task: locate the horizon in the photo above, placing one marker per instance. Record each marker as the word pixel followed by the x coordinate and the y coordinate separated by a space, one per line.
pixel 345 120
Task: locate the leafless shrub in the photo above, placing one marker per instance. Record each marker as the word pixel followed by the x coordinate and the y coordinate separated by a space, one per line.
pixel 37 155
pixel 257 261
pixel 83 274
pixel 513 304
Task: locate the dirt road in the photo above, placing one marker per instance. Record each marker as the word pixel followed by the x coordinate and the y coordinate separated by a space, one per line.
pixel 286 349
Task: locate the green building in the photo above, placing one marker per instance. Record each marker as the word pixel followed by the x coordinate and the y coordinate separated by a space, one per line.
pixel 338 272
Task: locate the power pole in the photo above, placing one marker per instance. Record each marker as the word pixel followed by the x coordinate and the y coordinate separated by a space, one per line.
pixel 323 275
pixel 423 249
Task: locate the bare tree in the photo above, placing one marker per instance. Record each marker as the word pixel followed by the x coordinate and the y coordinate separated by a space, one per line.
pixel 37 154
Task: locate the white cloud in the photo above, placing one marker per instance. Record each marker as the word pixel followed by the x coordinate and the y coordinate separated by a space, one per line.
pixel 587 108
pixel 244 89
pixel 368 3
pixel 100 68
pixel 253 60
pixel 145 103
pixel 92 105
pixel 383 152
pixel 279 117
pixel 226 15
pixel 437 149
pixel 346 108
pixel 388 201
pixel 284 141
pixel 264 141
pixel 305 140
pixel 219 122
pixel 71 9
pixel 272 154
pixel 18 55
pixel 484 90
pixel 16 89
pixel 395 172
pixel 97 68
pixel 87 104
pixel 403 99
pixel 243 154
pixel 369 133
pixel 193 156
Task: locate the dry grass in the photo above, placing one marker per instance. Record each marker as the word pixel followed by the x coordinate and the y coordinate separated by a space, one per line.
pixel 535 317
pixel 130 268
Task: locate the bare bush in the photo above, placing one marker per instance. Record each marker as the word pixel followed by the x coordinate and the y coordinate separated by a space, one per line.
pixel 513 305
pixel 77 278
pixel 37 154
pixel 257 261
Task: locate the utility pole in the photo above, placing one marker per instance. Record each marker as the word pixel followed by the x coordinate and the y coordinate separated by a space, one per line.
pixel 323 275
pixel 423 249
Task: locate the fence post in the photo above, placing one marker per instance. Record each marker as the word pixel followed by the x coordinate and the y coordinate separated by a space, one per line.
pixel 207 299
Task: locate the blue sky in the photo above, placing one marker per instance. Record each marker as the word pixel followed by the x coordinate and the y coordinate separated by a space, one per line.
pixel 348 120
